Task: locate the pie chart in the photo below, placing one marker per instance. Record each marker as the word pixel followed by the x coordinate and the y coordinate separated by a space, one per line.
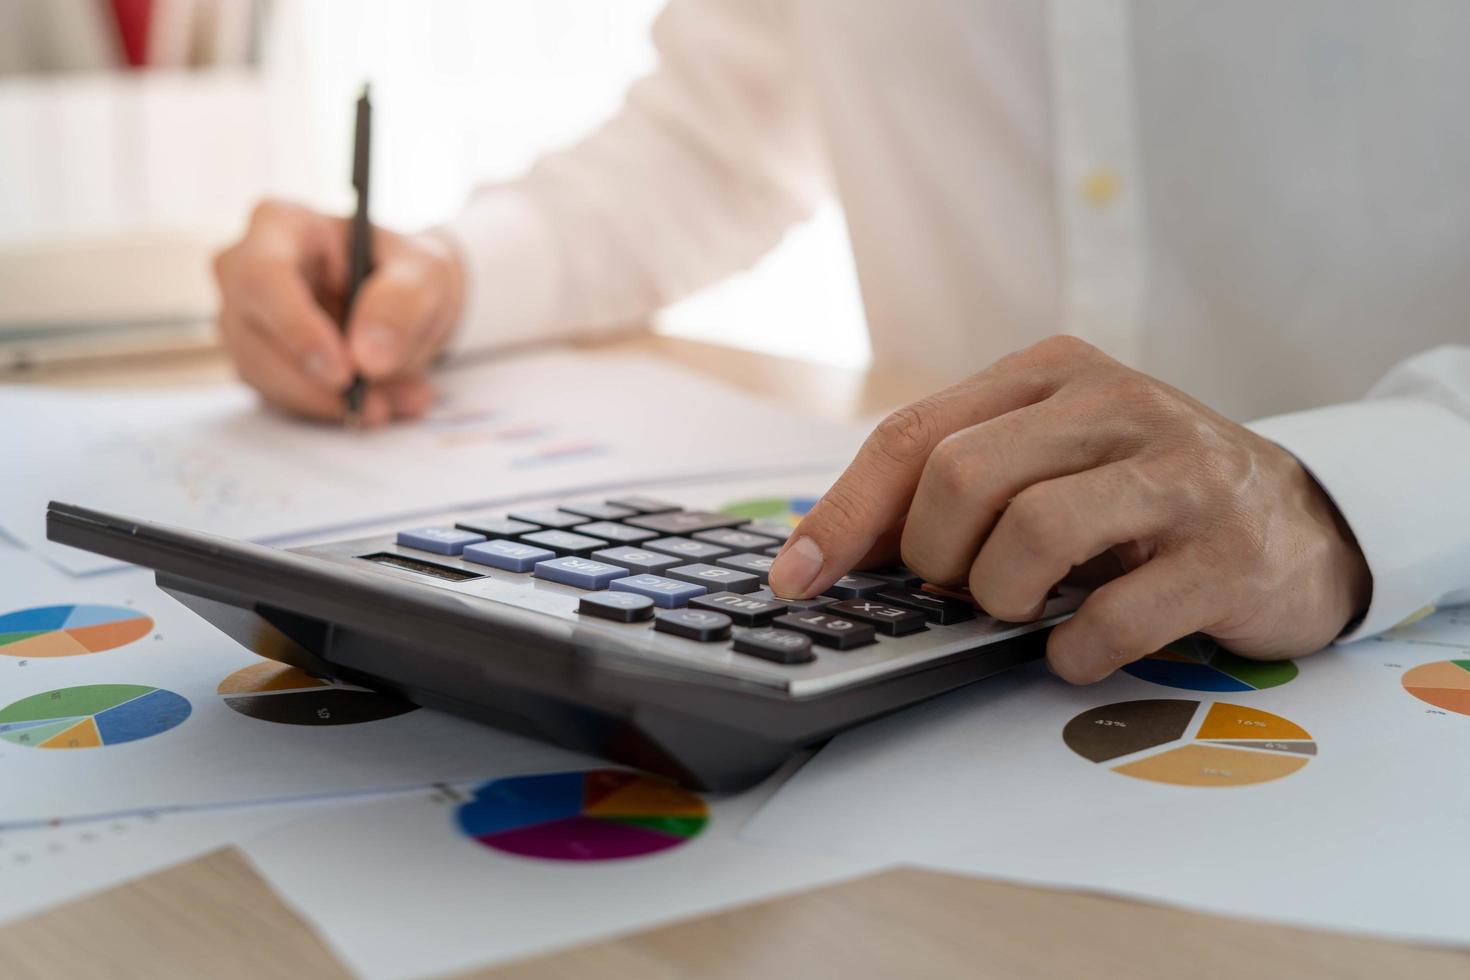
pixel 787 510
pixel 1197 663
pixel 597 815
pixel 278 692
pixel 66 631
pixel 1158 741
pixel 92 716
pixel 1444 684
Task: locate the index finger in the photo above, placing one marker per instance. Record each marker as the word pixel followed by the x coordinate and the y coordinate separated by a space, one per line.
pixel 873 493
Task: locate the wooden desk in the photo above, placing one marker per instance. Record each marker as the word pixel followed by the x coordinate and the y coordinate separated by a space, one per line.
pixel 214 917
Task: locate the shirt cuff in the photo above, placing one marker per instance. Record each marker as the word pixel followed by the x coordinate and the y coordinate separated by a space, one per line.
pixel 1397 470
pixel 510 271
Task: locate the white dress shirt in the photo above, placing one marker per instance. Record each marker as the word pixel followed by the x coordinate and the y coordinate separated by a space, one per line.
pixel 1265 204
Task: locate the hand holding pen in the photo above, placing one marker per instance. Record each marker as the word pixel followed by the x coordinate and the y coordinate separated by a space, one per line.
pixel 286 287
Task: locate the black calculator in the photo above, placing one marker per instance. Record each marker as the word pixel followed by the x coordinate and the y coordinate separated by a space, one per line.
pixel 629 627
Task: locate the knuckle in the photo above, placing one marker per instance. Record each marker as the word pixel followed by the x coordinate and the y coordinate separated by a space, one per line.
pixel 951 465
pixel 1061 347
pixel 906 435
pixel 842 507
pixel 1035 519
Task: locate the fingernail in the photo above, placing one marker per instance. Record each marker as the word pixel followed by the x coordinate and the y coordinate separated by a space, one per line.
pixel 796 568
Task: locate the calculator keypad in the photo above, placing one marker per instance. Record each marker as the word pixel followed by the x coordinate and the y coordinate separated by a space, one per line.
pixel 702 578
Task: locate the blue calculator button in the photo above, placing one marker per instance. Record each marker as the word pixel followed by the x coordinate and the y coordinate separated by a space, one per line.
pixel 439 540
pixel 508 555
pixel 664 591
pixel 584 573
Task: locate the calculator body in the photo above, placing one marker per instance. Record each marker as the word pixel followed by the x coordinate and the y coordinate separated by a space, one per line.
pixel 512 649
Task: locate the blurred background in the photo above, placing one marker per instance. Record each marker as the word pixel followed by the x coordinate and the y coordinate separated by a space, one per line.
pixel 136 134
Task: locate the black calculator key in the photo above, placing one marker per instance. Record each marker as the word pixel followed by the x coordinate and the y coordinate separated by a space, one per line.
pixel 714 577
pixel 565 542
pixel 855 587
pixel 621 533
pixel 936 608
pixel 757 565
pixel 548 517
pixel 890 619
pixel 815 602
pixel 728 537
pixel 687 548
pixel 636 560
pixel 599 512
pixel 773 551
pixel 643 505
pixel 900 575
pixel 777 646
pixel 746 610
pixel 685 522
pixel 496 527
pixel 621 607
pixel 694 624
pixel 827 629
pixel 769 529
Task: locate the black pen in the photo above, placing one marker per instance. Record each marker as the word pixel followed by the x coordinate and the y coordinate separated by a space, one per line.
pixel 361 244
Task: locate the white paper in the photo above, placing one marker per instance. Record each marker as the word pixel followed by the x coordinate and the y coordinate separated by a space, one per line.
pixel 1368 836
pixel 47 866
pixel 398 891
pixel 211 459
pixel 216 755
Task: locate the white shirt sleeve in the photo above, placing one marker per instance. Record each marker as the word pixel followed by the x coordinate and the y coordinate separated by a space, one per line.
pixel 708 162
pixel 1397 465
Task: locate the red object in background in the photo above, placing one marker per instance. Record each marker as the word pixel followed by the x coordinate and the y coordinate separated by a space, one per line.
pixel 133 19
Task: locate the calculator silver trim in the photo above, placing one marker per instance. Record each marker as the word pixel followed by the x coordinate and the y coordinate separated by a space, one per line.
pixel 832 670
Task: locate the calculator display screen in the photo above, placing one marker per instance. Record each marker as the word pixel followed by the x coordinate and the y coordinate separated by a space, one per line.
pixel 444 572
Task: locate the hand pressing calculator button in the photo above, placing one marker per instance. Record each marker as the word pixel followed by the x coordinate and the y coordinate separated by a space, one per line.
pixel 694 624
pixel 439 540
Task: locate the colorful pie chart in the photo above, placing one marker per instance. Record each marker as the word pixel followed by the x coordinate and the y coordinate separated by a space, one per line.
pixel 787 510
pixel 597 815
pixel 1444 684
pixel 1197 663
pixel 67 631
pixel 92 716
pixel 1190 743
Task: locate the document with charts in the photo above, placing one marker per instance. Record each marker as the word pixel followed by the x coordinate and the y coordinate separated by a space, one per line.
pixel 1329 792
pixel 213 459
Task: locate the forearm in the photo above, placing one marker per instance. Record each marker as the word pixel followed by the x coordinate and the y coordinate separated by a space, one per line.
pixel 709 161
